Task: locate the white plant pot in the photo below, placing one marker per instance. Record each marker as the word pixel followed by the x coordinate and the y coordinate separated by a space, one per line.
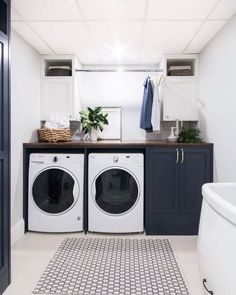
pixel 94 134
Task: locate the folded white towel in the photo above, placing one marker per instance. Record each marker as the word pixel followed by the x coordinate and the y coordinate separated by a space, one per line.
pixel 59 67
pixel 63 123
pixel 174 68
pixel 50 125
pixel 56 121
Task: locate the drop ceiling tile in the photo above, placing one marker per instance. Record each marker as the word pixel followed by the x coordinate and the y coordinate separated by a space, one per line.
pixel 113 31
pixel 112 9
pixel 206 33
pixel 150 57
pixel 117 42
pixel 224 10
pixel 88 56
pixel 68 38
pixel 15 15
pixel 30 37
pixel 179 9
pixel 47 9
pixel 166 38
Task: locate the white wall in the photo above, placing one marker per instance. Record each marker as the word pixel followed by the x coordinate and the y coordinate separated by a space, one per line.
pixel 121 89
pixel 218 95
pixel 25 118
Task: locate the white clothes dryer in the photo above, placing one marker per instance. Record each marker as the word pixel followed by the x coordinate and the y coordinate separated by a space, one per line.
pixel 55 197
pixel 115 193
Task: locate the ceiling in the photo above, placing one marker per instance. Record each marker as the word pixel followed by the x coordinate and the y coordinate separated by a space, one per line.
pixel 106 32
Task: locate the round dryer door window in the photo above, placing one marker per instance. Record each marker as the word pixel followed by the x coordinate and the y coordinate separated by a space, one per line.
pixel 116 191
pixel 53 191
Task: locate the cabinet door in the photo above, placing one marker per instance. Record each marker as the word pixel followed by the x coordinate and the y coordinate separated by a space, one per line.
pixel 4 167
pixel 194 172
pixel 180 99
pixel 57 97
pixel 163 180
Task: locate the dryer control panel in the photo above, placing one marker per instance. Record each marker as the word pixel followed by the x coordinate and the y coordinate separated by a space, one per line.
pixel 120 159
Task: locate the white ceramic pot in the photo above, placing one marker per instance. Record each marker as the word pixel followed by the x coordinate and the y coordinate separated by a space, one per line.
pixel 94 134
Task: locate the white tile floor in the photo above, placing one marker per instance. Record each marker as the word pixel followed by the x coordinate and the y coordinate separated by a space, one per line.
pixel 32 253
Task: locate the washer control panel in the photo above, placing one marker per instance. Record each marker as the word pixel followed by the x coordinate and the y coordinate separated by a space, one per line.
pixel 56 159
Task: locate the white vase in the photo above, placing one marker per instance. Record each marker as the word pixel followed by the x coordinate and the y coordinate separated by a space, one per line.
pixel 94 134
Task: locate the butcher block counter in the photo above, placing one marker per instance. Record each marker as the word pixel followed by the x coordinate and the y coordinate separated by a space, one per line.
pixel 112 144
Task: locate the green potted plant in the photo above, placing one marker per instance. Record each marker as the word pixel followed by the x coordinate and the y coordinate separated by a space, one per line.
pixel 93 121
pixel 189 135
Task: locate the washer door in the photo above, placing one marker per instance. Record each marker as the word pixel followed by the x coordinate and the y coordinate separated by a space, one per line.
pixel 116 191
pixel 53 191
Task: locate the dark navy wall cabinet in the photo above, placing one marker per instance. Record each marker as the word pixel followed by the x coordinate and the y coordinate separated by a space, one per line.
pixel 174 179
pixel 4 148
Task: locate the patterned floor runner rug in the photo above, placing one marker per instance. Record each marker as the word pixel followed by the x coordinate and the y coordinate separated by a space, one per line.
pixel 109 266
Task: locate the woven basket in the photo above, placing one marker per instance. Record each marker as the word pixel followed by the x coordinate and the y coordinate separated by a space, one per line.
pixel 54 135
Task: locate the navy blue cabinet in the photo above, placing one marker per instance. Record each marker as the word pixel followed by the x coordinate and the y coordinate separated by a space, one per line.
pixel 174 179
pixel 162 182
pixel 4 149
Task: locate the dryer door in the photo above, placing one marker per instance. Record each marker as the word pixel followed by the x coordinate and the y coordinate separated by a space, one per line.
pixel 116 191
pixel 53 191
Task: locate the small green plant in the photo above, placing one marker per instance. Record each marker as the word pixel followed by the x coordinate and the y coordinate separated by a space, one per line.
pixel 93 118
pixel 189 135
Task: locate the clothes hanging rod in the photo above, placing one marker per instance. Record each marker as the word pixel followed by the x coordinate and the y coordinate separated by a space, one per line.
pixel 119 71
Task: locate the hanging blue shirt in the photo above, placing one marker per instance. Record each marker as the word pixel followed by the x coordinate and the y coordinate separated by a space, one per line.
pixel 146 111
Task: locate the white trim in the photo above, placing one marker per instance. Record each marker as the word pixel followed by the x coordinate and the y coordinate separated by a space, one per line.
pixel 17 231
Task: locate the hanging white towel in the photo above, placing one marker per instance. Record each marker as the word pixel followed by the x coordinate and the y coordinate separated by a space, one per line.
pixel 156 107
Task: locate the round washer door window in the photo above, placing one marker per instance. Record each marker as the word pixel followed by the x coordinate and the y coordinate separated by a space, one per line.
pixel 116 191
pixel 53 191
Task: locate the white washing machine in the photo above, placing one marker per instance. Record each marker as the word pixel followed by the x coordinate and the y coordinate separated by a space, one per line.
pixel 115 199
pixel 55 198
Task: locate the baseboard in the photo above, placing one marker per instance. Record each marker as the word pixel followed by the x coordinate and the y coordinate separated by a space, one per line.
pixel 17 231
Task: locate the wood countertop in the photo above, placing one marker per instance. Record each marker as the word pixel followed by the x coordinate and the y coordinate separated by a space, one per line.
pixel 112 144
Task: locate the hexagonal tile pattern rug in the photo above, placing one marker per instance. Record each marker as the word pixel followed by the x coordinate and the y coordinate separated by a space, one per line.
pixel 113 266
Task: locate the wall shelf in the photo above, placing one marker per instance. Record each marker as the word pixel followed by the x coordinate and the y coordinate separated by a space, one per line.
pixel 59 92
pixel 58 68
pixel 179 92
